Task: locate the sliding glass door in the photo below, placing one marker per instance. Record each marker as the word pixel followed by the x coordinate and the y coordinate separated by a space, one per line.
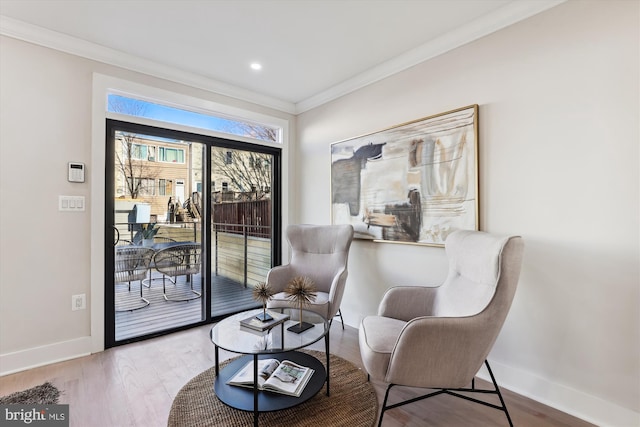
pixel 190 228
pixel 241 225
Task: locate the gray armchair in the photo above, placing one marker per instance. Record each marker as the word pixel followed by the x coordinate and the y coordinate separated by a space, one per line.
pixel 319 252
pixel 439 337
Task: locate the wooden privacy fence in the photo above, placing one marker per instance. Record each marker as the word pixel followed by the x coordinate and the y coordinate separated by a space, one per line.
pixel 252 217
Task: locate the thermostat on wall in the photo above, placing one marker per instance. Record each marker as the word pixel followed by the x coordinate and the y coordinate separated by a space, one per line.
pixel 76 172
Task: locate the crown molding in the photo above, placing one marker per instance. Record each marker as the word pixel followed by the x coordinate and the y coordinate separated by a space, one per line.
pixel 51 39
pixel 503 17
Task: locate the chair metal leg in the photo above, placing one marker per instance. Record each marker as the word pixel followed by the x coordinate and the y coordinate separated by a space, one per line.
pixel 147 282
pixel 384 404
pixel 453 392
pixel 339 313
pixel 142 298
pixel 164 291
pixel 495 384
pixel 146 301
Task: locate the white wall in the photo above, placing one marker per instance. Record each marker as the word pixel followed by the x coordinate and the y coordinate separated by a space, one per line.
pixel 46 106
pixel 559 160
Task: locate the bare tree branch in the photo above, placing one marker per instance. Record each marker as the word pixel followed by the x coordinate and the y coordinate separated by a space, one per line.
pixel 129 106
pixel 136 171
pixel 246 171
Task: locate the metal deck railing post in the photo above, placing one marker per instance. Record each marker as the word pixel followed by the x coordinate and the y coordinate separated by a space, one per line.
pixel 216 246
pixel 246 238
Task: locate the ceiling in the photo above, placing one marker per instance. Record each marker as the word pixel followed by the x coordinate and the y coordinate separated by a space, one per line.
pixel 311 51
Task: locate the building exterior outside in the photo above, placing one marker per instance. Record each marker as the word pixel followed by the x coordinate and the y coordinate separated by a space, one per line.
pixel 163 172
pixel 156 172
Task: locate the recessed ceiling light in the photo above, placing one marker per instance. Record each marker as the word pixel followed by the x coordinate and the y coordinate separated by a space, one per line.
pixel 256 66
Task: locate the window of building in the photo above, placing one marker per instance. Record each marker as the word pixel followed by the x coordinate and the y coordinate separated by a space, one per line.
pixel 139 152
pixel 170 155
pixel 141 187
pixel 162 187
pixel 229 158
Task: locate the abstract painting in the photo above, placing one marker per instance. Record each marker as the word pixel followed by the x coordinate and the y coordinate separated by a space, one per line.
pixel 412 183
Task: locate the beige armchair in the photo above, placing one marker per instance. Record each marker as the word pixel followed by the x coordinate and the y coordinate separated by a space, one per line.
pixel 439 337
pixel 319 252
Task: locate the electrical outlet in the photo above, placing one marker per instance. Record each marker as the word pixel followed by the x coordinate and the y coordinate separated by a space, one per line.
pixel 78 302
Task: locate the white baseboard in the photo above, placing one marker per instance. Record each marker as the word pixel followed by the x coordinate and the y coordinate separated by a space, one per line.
pixel 574 402
pixel 558 396
pixel 44 355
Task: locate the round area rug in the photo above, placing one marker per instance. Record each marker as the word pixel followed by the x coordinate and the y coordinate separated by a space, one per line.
pixel 352 403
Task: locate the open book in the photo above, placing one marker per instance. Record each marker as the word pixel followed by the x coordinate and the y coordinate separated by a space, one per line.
pixel 283 377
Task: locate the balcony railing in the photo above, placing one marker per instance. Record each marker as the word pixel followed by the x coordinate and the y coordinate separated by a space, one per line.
pixel 240 257
pixel 239 252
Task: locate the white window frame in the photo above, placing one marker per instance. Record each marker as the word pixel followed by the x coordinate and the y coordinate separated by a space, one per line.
pixel 233 121
pixel 102 85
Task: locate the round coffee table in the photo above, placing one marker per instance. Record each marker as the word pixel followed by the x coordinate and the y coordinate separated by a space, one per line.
pixel 277 342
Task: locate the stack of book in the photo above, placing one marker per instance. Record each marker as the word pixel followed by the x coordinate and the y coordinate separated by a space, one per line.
pixel 258 325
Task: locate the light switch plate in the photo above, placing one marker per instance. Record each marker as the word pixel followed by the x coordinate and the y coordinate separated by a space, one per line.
pixel 71 203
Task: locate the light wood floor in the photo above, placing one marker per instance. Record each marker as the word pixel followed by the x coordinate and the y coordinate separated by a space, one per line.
pixel 134 385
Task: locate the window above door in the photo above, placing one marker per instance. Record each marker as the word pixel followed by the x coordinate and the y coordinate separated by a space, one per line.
pixel 239 127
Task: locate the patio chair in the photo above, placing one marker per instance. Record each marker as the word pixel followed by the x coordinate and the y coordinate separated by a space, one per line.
pixel 179 260
pixel 131 264
pixel 159 242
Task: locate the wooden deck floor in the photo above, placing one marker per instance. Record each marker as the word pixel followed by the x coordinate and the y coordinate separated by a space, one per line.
pixel 227 297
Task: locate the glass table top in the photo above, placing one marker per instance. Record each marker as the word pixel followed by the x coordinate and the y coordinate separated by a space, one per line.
pixel 229 334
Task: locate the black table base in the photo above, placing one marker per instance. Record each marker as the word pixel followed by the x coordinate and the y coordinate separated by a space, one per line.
pixel 243 398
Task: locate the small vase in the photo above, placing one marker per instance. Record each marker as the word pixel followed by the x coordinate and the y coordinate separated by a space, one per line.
pixel 147 243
